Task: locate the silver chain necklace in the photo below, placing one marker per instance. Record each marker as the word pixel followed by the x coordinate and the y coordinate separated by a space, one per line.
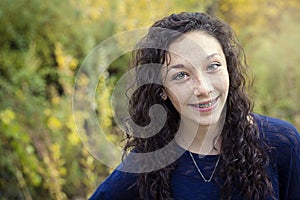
pixel 206 180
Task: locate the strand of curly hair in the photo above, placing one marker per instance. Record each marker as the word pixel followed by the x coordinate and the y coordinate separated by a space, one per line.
pixel 244 155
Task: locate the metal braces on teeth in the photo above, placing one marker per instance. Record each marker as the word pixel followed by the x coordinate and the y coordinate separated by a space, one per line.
pixel 205 105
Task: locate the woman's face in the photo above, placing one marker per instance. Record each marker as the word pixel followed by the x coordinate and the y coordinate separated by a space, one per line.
pixel 196 80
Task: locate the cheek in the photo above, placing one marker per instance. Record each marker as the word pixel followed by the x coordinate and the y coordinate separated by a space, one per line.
pixel 222 83
pixel 173 98
pixel 177 96
pixel 225 83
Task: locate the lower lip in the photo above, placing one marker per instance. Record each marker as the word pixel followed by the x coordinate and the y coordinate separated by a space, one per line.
pixel 208 109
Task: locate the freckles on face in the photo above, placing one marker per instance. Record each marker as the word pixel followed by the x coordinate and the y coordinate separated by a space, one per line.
pixel 196 79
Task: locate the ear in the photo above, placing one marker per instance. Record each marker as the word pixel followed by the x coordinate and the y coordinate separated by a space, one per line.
pixel 163 95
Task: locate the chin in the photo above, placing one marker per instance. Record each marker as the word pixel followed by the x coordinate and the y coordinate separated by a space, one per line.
pixel 208 122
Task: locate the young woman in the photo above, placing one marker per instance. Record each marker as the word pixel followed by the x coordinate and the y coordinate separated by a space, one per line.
pixel 228 152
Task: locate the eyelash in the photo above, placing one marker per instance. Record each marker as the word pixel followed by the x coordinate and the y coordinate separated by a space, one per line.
pixel 186 75
pixel 213 64
pixel 176 76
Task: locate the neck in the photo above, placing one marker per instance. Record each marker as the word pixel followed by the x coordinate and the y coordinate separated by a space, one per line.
pixel 199 139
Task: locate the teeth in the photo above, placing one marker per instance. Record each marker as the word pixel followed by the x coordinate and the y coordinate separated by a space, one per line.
pixel 205 105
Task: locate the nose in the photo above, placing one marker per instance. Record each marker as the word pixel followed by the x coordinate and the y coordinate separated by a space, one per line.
pixel 201 86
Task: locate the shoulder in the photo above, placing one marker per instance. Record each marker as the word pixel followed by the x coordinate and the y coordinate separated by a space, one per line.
pixel 284 140
pixel 278 133
pixel 118 185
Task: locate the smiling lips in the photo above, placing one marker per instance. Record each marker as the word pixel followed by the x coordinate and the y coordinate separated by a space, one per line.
pixel 205 106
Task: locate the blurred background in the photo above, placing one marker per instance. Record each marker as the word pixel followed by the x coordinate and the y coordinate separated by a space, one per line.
pixel 43 43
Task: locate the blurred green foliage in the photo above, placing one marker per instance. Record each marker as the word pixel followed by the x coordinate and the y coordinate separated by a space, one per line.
pixel 42 45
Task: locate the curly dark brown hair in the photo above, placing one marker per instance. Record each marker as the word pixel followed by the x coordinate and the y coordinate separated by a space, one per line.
pixel 244 155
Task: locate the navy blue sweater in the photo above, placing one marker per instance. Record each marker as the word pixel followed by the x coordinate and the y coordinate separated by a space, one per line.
pixel 186 182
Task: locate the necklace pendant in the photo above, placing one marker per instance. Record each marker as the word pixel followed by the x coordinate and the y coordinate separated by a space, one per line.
pixel 201 174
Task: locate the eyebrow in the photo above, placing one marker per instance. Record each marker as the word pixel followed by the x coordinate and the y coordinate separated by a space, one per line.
pixel 213 55
pixel 177 66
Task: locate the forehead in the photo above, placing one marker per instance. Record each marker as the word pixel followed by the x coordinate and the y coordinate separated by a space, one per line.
pixel 195 44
